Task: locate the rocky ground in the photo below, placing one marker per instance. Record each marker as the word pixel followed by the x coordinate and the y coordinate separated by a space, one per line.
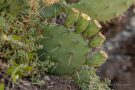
pixel 120 46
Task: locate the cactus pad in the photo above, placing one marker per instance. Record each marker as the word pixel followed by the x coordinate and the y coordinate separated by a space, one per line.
pixel 103 10
pixel 66 48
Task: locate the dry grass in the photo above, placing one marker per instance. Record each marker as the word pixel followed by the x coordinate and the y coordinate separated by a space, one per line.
pixel 49 2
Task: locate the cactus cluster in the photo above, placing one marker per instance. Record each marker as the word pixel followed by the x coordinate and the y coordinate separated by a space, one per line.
pixel 71 45
pixel 75 43
pixel 67 49
pixel 81 21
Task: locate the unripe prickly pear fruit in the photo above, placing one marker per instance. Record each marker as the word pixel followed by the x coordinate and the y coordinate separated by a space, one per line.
pixel 103 10
pixel 72 16
pixel 82 23
pixel 92 29
pixel 97 41
pixel 97 59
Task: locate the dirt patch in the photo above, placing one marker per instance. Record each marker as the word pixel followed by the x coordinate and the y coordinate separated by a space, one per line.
pixel 51 83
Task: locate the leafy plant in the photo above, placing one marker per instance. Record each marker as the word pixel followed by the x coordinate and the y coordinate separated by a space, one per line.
pixel 87 79
pixel 18 43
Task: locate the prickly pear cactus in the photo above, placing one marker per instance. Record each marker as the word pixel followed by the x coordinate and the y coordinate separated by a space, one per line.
pixel 74 44
pixel 67 49
pixel 103 10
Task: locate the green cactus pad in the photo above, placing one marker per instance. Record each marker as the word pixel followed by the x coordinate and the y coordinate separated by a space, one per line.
pixel 66 48
pixel 103 10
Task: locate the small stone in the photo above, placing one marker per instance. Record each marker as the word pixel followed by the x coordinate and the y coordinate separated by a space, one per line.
pixel 47 78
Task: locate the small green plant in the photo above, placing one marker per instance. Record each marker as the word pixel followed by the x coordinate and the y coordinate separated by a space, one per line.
pixel 18 46
pixel 87 79
pixel 18 42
